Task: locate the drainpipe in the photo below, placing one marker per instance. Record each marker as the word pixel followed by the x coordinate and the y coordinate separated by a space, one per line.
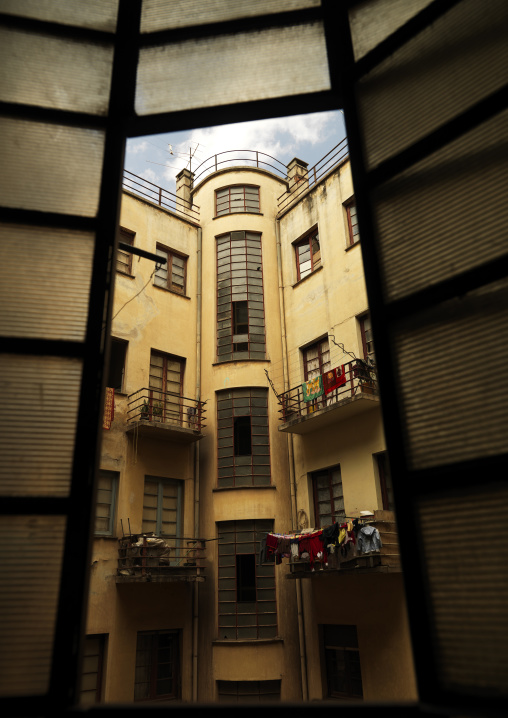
pixel 292 482
pixel 195 618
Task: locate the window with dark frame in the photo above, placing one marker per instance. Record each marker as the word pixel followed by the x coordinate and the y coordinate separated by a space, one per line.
pixel 367 341
pixel 124 259
pixel 342 662
pixel 352 223
pixel 385 480
pixel 316 361
pixel 328 496
pixel 308 255
pixel 157 674
pixel 166 388
pixel 92 669
pixel 248 691
pixel 243 450
pixel 173 274
pixel 247 605
pixel 162 507
pixel 116 369
pixel 106 501
pixel 240 304
pixel 238 198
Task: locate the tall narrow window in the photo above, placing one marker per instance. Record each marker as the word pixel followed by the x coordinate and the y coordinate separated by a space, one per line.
pixel 162 504
pixel 116 369
pixel 92 669
pixel 352 223
pixel 157 666
pixel 165 388
pixel 328 496
pixel 342 662
pixel 173 274
pixel 243 443
pixel 385 481
pixel 316 361
pixel 367 342
pixel 308 255
pixel 247 607
pixel 123 258
pixel 239 198
pixel 105 505
pixel 240 306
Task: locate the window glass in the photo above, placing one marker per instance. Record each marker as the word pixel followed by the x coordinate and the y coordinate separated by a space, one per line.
pixel 105 503
pixel 308 255
pixel 235 199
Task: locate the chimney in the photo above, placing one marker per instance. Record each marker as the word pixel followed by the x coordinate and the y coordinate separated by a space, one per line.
pixel 297 175
pixel 184 182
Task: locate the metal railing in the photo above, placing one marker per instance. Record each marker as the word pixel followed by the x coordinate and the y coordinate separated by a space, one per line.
pixel 336 156
pixel 159 195
pixel 143 555
pixel 166 407
pixel 213 163
pixel 360 378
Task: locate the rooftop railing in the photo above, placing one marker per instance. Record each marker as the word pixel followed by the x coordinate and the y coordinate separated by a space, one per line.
pixel 336 156
pixel 250 157
pixel 159 195
pixel 166 407
pixel 359 378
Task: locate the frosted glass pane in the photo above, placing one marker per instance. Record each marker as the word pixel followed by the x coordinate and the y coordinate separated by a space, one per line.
pixel 373 21
pixel 38 414
pixel 467 586
pixel 427 230
pixel 95 14
pixel 451 363
pixel 50 167
pixel 232 68
pixel 29 583
pixel 457 61
pixel 44 282
pixel 162 15
pixel 55 72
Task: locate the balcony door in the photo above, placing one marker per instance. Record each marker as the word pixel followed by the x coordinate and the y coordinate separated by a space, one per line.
pixel 316 361
pixel 166 385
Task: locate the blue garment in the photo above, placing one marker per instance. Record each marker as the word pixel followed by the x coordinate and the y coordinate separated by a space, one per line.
pixel 369 539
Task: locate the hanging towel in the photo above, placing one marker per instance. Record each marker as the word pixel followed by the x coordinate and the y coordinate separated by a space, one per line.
pixel 312 388
pixel 333 379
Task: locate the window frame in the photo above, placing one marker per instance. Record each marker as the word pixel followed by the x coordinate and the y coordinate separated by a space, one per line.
pixel 324 366
pixel 244 209
pixel 167 413
pixel 170 254
pixel 125 344
pixel 385 480
pixel 102 638
pixel 346 647
pixel 161 481
pixel 312 234
pixel 153 666
pixel 127 237
pixel 115 479
pixel 335 515
pixel 237 691
pixel 366 336
pixel 353 237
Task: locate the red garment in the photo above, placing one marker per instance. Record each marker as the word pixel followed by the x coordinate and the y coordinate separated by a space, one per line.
pixel 333 379
pixel 313 545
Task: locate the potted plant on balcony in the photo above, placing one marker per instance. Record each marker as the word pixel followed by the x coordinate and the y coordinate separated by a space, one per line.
pixel 157 411
pixel 144 414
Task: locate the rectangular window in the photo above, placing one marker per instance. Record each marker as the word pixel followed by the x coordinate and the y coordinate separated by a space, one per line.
pixel 248 691
pixel 239 198
pixel 105 504
pixel 352 223
pixel 116 369
pixel 247 607
pixel 157 666
pixel 342 662
pixel 123 258
pixel 316 361
pixel 308 255
pixel 92 669
pixel 165 388
pixel 162 508
pixel 367 342
pixel 242 436
pixel 240 306
pixel 328 497
pixel 173 274
pixel 385 481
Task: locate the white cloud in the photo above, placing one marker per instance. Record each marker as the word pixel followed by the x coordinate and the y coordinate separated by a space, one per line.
pixel 134 147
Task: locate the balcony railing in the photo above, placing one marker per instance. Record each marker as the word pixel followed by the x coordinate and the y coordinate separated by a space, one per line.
pixel 236 158
pixel 146 557
pixel 159 195
pixel 167 409
pixel 359 380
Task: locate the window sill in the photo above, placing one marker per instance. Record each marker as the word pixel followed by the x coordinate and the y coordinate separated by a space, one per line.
pixel 125 274
pixel 243 641
pixel 235 361
pixel 237 488
pixel 296 284
pixel 170 291
pixel 350 246
pixel 220 216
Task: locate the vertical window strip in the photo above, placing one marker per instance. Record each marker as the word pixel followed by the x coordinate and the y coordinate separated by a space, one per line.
pixel 240 303
pixel 328 496
pixel 238 464
pixel 124 259
pixel 352 220
pixel 255 619
pixel 105 504
pixel 91 672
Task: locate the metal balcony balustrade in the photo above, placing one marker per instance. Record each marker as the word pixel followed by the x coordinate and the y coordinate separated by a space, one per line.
pixel 360 383
pixel 159 195
pixel 149 558
pixel 151 411
pixel 235 158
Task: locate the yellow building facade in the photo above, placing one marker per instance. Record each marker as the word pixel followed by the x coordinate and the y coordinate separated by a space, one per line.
pixel 213 445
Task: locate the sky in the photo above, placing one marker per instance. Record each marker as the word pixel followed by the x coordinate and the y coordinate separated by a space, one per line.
pixel 159 158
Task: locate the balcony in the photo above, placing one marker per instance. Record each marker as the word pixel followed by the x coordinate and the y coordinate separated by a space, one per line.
pixel 358 393
pixel 145 558
pixel 166 416
pixel 386 560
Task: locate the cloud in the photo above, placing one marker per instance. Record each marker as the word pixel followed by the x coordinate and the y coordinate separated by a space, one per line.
pixel 134 147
